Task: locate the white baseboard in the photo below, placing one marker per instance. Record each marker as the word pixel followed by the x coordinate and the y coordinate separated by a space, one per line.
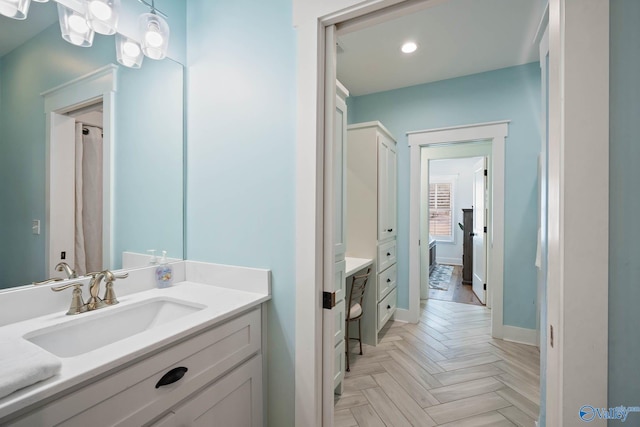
pixel 520 335
pixel 402 315
pixel 448 261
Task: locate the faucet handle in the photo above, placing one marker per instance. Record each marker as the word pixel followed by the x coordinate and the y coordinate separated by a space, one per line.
pixel 109 293
pixel 77 303
pixel 46 282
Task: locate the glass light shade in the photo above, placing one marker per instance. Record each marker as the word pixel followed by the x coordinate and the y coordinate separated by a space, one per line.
pixel 41 1
pixel 102 15
pixel 154 35
pixel 74 27
pixel 16 9
pixel 128 52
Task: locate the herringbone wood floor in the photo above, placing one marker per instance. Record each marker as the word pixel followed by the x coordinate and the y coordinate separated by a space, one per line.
pixel 444 371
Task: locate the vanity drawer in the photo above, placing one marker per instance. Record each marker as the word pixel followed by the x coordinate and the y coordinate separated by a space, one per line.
pixel 130 397
pixel 386 255
pixel 387 307
pixel 387 280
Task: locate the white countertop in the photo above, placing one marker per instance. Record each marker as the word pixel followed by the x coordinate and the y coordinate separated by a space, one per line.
pixel 353 265
pixel 220 304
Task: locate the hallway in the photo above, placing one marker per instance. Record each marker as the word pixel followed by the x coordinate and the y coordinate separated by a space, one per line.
pixel 444 371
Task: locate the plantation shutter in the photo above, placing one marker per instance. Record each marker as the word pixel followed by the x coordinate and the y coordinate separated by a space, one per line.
pixel 440 215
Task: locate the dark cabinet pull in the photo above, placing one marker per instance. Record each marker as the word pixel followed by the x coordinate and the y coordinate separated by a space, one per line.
pixel 172 376
pixel 388 307
pixel 388 253
pixel 390 230
pixel 388 280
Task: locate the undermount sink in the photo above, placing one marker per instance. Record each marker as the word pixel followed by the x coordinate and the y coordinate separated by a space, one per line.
pixel 101 328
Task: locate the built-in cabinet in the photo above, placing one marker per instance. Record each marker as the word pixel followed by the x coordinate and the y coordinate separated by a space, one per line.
pixel 372 218
pixel 214 375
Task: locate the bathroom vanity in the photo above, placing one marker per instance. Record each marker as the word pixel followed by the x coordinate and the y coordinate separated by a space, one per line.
pixel 161 357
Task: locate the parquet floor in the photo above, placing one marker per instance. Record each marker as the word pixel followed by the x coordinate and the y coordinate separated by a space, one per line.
pixel 444 371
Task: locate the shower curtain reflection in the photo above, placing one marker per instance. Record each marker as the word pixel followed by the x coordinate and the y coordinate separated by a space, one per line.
pixel 88 196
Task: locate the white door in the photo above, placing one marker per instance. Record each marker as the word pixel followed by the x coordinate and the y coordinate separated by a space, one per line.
pixel 334 283
pixel 479 230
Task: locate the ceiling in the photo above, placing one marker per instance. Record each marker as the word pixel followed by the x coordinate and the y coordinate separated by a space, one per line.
pixel 13 33
pixel 455 38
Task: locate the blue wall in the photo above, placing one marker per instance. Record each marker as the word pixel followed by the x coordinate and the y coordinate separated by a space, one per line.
pixel 148 158
pixel 624 204
pixel 241 160
pixel 506 94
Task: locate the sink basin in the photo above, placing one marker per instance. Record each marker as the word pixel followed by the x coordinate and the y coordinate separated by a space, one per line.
pixel 101 328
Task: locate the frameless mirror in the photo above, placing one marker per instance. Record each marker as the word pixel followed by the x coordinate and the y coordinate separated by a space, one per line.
pixel 131 145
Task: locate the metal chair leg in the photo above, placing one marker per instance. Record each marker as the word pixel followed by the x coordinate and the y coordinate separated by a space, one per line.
pixel 360 335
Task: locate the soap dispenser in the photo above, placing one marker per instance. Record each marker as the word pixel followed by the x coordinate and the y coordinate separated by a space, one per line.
pixel 164 272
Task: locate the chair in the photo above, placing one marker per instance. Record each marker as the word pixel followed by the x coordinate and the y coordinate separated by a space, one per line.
pixel 355 311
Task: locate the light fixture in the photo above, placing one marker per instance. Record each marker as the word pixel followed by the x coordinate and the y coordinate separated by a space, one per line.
pixel 41 1
pixel 16 9
pixel 154 33
pixel 102 15
pixel 128 52
pixel 409 47
pixel 74 27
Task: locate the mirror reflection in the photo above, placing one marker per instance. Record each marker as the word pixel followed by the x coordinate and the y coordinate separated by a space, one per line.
pixel 95 183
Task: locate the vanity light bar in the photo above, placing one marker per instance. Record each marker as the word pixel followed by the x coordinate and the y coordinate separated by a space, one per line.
pixel 78 27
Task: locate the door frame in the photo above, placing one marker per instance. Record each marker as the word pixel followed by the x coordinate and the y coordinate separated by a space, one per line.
pixel 96 86
pixel 452 139
pixel 579 111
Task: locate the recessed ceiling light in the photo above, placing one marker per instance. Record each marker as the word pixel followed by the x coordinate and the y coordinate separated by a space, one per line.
pixel 409 47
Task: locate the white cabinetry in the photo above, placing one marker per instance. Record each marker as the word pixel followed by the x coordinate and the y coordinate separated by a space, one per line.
pixel 222 379
pixel 372 218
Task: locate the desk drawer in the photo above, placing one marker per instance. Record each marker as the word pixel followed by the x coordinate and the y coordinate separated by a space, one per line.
pixel 386 255
pixel 387 280
pixel 387 307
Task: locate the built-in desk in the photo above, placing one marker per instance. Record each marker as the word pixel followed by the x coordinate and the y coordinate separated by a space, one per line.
pixel 353 265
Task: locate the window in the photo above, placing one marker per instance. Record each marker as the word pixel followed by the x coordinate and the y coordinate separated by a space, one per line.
pixel 441 210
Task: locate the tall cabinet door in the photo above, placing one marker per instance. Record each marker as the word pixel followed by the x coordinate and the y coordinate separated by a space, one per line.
pixel 392 193
pixel 383 188
pixel 387 193
pixel 340 174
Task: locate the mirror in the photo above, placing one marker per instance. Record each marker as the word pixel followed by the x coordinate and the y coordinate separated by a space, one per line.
pixel 142 180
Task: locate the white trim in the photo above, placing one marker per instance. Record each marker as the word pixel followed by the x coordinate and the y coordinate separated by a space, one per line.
pixel 101 84
pixel 448 261
pixel 578 268
pixel 520 335
pixel 402 315
pixel 497 133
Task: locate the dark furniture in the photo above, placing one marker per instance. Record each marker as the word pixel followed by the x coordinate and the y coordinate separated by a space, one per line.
pixel 467 246
pixel 432 253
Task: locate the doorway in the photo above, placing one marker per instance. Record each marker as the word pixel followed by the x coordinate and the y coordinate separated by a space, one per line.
pixel 88 99
pixel 454 262
pixel 565 84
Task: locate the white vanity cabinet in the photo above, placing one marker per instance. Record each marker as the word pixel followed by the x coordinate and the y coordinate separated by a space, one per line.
pixel 372 218
pixel 222 382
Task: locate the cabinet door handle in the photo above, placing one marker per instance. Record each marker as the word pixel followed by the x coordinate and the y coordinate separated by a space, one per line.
pixel 388 253
pixel 390 230
pixel 172 376
pixel 388 280
pixel 388 307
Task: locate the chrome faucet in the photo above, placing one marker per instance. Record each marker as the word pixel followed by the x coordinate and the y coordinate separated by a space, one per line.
pixel 70 272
